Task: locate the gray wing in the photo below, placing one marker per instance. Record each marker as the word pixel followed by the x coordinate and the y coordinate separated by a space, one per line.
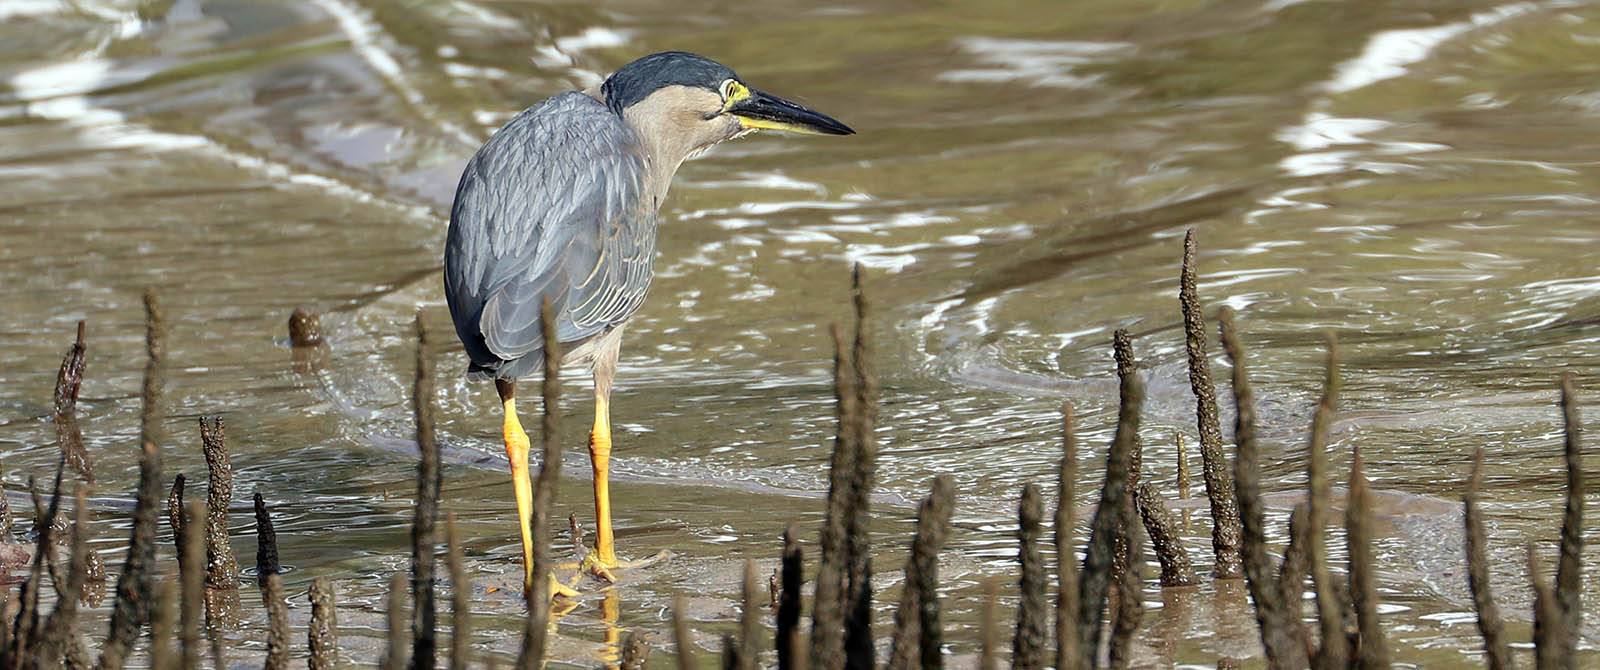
pixel 553 207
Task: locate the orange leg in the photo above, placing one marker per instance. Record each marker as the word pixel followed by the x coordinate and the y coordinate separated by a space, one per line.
pixel 600 456
pixel 603 560
pixel 517 446
pixel 517 451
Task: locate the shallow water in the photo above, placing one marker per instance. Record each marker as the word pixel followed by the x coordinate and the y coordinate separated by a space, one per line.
pixel 1417 178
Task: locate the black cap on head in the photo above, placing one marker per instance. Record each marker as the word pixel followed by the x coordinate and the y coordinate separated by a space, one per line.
pixel 637 80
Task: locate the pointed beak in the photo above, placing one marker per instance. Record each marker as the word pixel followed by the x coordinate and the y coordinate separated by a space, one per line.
pixel 759 109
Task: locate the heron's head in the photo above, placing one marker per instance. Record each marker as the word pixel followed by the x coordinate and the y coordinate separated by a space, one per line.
pixel 681 104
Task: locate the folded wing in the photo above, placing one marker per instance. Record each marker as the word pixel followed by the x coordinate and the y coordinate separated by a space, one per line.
pixel 552 206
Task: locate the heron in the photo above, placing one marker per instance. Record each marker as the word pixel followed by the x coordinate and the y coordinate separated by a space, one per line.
pixel 561 205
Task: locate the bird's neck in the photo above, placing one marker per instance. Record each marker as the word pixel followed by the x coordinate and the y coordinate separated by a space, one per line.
pixel 661 158
pixel 663 152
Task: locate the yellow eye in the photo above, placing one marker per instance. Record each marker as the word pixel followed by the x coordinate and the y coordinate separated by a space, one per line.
pixel 732 92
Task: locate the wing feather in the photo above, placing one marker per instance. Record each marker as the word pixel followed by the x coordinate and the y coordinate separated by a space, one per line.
pixel 551 207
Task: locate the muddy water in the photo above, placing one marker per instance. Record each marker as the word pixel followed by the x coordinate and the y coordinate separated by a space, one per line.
pixel 1417 178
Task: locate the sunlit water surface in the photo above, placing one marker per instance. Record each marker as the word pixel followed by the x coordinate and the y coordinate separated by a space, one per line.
pixel 1417 178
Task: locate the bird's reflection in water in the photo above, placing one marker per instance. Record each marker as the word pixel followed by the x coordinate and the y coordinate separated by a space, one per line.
pixel 609 652
pixel 610 609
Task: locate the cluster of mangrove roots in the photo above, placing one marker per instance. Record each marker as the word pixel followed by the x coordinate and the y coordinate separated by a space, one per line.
pixel 1098 603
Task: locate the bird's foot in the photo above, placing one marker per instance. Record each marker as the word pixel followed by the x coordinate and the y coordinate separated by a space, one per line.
pixel 591 564
pixel 597 568
pixel 602 565
pixel 562 591
pixel 601 569
pixel 557 591
pixel 599 564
